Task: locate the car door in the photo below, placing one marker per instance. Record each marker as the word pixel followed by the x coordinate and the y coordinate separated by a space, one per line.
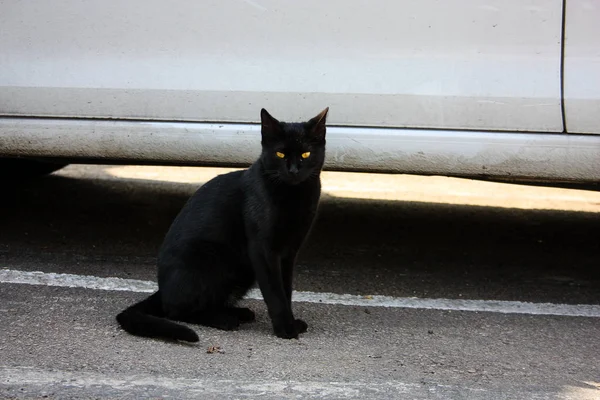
pixel 582 66
pixel 455 64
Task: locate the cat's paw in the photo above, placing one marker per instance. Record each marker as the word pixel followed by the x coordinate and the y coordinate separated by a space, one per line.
pixel 286 334
pixel 291 331
pixel 300 326
pixel 224 322
pixel 287 331
pixel 245 315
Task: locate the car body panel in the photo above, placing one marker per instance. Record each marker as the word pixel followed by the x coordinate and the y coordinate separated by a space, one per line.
pixel 486 155
pixel 582 66
pixel 459 87
pixel 468 64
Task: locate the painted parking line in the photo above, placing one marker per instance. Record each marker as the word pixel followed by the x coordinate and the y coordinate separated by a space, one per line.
pixel 29 381
pixel 134 285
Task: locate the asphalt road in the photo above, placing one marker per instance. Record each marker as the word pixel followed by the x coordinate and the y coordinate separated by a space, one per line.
pixel 397 236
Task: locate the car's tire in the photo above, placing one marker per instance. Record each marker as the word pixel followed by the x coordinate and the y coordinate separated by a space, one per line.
pixel 19 168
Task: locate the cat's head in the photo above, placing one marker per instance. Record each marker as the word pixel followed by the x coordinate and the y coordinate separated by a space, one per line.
pixel 293 152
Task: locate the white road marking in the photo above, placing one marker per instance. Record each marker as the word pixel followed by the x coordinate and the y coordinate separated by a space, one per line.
pixel 134 285
pixel 124 382
pixel 256 5
pixel 72 384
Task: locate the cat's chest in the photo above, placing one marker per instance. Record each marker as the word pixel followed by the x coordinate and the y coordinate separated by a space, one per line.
pixel 293 219
pixel 291 222
pixel 281 216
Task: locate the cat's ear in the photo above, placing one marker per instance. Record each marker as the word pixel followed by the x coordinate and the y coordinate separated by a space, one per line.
pixel 316 125
pixel 270 127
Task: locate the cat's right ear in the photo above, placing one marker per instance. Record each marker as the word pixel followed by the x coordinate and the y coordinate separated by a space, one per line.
pixel 270 127
pixel 317 125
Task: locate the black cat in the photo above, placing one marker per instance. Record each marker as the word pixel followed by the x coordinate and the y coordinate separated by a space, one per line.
pixel 238 228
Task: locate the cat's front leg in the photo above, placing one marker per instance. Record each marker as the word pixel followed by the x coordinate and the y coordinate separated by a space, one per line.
pixel 287 270
pixel 267 267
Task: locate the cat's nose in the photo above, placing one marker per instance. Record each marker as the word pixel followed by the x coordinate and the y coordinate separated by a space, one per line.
pixel 293 169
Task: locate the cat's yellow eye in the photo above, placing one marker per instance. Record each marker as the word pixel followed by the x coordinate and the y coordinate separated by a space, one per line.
pixel 280 155
pixel 306 155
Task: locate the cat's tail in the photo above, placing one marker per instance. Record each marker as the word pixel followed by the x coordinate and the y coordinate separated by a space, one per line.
pixel 143 319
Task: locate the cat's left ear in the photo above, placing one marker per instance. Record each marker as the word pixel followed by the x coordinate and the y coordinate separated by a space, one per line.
pixel 316 125
pixel 270 127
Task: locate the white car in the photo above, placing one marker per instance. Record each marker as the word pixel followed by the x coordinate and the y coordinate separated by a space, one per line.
pixel 492 89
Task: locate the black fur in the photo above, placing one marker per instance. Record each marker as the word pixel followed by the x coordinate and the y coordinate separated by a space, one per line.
pixel 238 228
